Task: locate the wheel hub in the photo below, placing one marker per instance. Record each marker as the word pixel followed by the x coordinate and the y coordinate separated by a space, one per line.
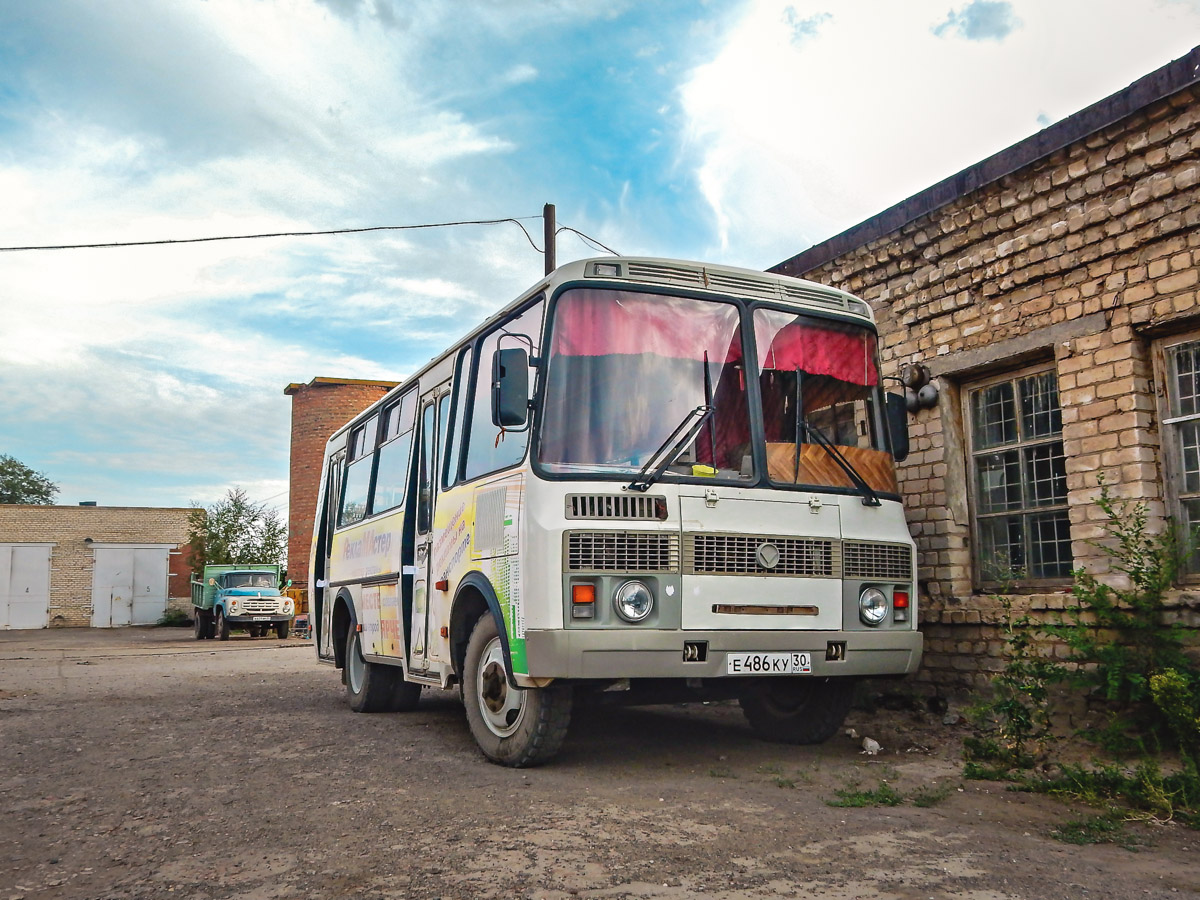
pixel 501 706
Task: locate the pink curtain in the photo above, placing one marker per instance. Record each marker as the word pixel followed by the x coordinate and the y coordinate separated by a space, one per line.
pixel 590 324
pixel 847 355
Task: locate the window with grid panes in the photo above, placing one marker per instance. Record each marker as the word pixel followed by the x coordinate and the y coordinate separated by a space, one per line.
pixel 1181 427
pixel 1019 480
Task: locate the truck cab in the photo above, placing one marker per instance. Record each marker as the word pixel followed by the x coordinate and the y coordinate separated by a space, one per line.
pixel 240 596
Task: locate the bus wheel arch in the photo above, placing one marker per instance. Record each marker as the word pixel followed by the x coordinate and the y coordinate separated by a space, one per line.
pixel 343 621
pixel 474 599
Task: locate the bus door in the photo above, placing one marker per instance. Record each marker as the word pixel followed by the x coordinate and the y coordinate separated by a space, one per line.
pixel 434 404
pixel 321 613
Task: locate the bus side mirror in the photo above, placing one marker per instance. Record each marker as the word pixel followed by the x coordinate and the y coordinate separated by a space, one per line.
pixel 897 419
pixel 510 387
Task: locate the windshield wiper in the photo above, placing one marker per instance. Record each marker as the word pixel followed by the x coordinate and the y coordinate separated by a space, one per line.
pixel 870 498
pixel 689 427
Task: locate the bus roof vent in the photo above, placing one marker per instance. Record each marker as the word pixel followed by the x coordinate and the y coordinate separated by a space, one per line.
pixel 740 284
pixel 660 273
pixel 616 506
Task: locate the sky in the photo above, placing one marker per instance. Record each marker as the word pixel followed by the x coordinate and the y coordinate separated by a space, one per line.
pixel 730 132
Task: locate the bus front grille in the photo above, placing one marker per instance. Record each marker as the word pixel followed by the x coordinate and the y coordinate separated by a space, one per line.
pixel 877 562
pixel 622 551
pixel 750 554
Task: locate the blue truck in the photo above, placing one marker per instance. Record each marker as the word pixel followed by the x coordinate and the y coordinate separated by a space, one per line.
pixel 240 596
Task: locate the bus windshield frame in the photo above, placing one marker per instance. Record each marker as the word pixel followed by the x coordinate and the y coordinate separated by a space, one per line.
pixel 624 367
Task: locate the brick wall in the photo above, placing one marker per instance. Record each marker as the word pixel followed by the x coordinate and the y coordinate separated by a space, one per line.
pixel 319 408
pixel 72 558
pixel 1084 260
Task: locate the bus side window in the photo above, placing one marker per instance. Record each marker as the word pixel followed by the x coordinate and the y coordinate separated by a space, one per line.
pixel 357 486
pixel 489 447
pixel 452 427
pixel 391 473
pixel 424 482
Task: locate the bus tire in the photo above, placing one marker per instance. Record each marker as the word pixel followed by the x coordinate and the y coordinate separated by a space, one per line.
pixel 797 710
pixel 516 728
pixel 371 687
pixel 221 626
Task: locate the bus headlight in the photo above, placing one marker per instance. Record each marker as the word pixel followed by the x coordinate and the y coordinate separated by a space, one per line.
pixel 872 606
pixel 633 601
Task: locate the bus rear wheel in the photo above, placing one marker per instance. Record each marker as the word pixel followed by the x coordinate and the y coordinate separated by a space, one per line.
pixel 797 710
pixel 513 727
pixel 371 687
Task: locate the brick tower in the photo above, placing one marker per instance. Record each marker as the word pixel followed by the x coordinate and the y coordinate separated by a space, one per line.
pixel 319 408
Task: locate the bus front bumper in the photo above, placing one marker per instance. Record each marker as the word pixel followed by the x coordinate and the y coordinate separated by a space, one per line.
pixel 631 653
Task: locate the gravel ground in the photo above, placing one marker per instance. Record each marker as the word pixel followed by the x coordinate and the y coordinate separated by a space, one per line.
pixel 138 763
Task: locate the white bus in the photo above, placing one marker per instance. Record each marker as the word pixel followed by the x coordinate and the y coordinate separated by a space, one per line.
pixel 642 481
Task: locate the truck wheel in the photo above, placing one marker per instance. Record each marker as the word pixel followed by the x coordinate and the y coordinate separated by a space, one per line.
pixel 281 630
pixel 513 727
pixel 371 687
pixel 797 710
pixel 221 626
pixel 201 629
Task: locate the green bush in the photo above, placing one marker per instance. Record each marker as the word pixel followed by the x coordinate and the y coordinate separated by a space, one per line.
pixel 174 618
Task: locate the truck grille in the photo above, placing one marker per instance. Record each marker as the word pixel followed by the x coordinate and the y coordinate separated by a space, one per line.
pixel 255 607
pixel 730 554
pixel 622 551
pixel 877 562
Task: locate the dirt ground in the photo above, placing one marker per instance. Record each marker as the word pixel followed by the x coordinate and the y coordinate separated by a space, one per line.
pixel 139 763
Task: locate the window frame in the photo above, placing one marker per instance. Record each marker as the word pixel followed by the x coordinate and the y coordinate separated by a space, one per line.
pixel 481 372
pixel 383 439
pixel 1172 470
pixel 972 452
pixel 356 455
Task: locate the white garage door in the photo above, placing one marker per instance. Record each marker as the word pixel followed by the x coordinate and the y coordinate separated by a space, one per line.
pixel 24 585
pixel 129 584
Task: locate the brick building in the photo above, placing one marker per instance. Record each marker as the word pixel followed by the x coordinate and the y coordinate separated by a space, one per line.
pixel 319 408
pixel 1051 291
pixel 90 565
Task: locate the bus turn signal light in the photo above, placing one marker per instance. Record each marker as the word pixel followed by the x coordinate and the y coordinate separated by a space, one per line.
pixel 583 601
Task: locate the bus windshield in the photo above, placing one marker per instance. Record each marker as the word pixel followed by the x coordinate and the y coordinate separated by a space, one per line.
pixel 626 369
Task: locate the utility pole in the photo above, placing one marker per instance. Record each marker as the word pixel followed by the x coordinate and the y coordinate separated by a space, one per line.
pixel 551 228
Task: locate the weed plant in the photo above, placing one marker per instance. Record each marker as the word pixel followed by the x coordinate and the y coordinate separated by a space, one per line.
pixel 1133 664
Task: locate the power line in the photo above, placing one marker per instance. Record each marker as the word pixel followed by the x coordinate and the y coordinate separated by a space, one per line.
pixel 587 239
pixel 276 234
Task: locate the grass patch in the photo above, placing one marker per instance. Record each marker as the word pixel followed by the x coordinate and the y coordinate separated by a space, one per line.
pixel 928 795
pixel 781 782
pixel 721 772
pixel 853 797
pixel 1105 829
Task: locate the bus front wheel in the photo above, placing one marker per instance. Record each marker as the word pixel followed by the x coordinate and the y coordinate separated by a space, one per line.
pixel 373 687
pixel 513 727
pixel 797 710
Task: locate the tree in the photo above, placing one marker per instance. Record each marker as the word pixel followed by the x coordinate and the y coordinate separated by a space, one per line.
pixel 235 530
pixel 20 484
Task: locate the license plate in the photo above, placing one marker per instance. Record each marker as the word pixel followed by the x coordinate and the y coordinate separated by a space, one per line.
pixel 260 618
pixel 792 663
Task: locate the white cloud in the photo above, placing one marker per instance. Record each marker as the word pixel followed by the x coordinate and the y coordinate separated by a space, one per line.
pixel 794 141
